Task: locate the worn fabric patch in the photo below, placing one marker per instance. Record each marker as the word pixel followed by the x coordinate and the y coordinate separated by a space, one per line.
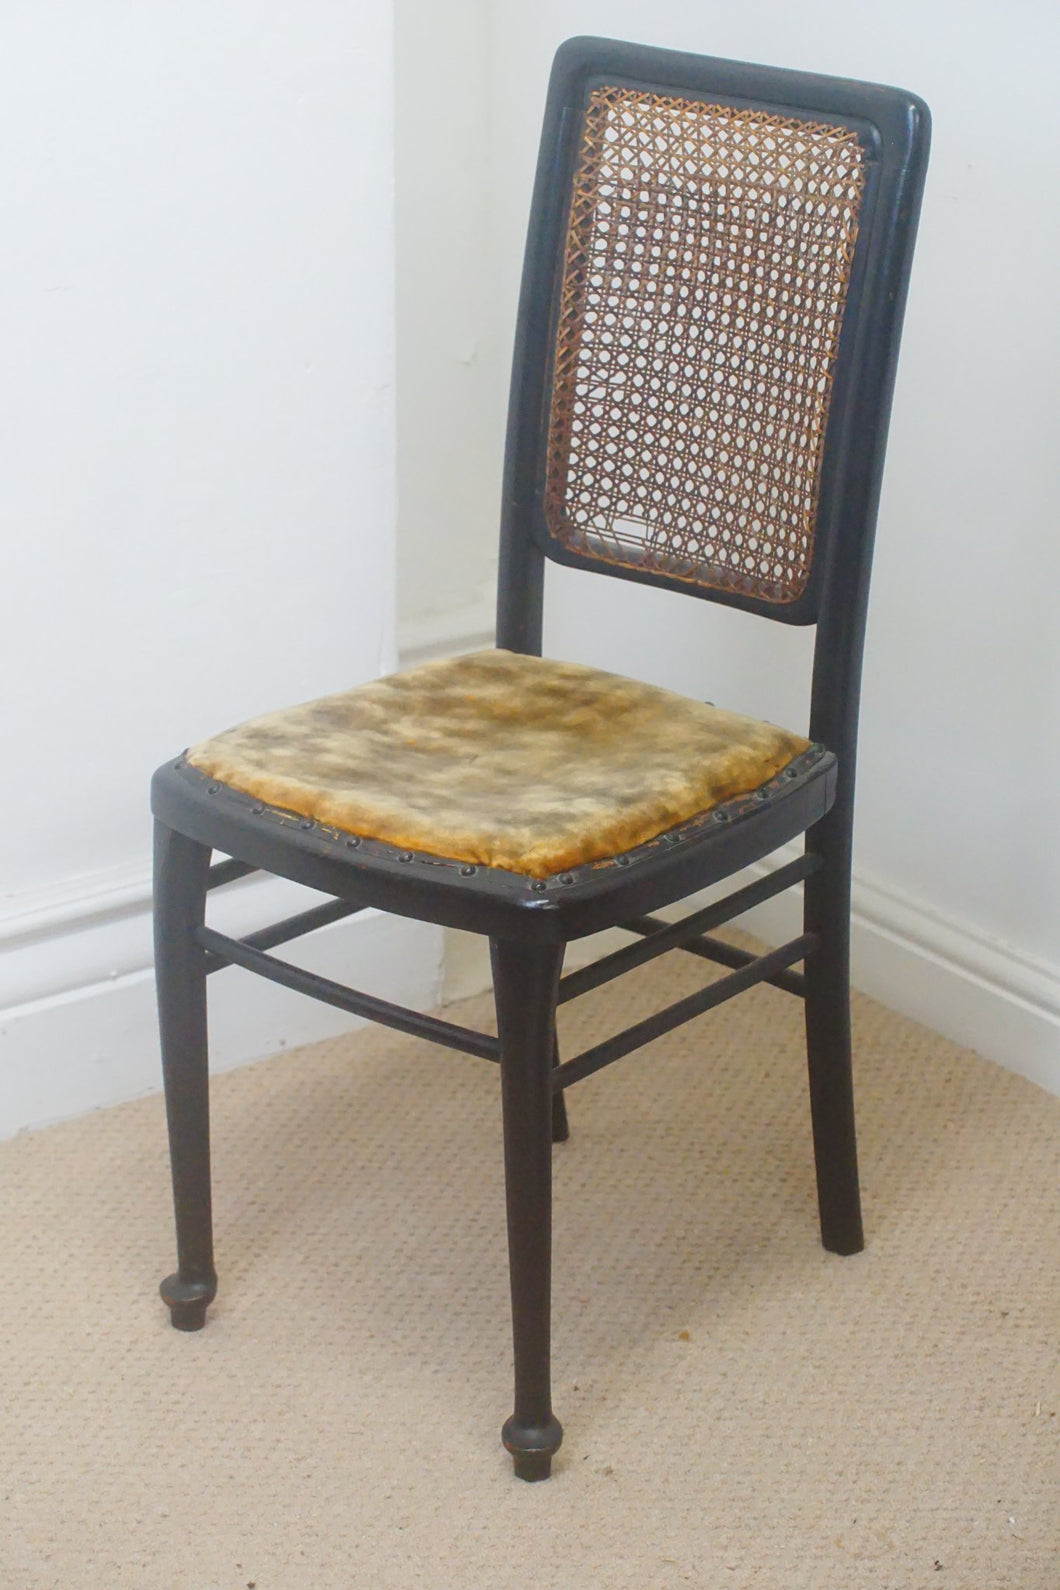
pixel 499 759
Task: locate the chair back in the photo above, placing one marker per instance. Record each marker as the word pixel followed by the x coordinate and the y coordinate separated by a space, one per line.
pixel 712 297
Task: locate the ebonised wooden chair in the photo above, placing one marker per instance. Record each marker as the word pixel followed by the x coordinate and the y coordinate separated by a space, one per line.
pixel 708 329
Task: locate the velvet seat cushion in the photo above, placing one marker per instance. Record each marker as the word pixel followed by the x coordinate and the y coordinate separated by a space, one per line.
pixel 502 760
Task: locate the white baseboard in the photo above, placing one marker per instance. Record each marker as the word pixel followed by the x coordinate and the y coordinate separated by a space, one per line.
pixel 77 1012
pixel 983 995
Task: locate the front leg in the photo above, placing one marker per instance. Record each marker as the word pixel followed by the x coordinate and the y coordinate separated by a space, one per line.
pixel 526 984
pixel 181 876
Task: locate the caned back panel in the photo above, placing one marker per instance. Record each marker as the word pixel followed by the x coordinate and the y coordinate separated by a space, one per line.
pixel 707 260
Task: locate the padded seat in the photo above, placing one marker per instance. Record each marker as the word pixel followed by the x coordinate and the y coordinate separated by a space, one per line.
pixel 502 760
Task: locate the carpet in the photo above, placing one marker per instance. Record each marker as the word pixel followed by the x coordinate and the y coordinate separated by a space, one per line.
pixel 741 1408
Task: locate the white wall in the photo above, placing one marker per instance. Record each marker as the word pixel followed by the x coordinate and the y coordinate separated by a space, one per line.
pixel 197 469
pixel 448 464
pixel 196 288
pixel 958 860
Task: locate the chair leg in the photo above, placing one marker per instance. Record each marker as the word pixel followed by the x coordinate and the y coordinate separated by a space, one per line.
pixel 827 913
pixel 181 871
pixel 560 1124
pixel 526 982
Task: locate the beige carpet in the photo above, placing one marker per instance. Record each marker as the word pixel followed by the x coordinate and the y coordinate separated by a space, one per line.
pixel 741 1409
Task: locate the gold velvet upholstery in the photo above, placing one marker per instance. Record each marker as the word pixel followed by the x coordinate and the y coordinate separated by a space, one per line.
pixel 499 759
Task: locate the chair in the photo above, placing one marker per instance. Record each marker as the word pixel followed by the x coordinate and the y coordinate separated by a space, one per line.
pixel 708 329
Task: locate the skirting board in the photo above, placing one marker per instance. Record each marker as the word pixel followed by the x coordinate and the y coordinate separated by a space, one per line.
pixel 980 994
pixel 77 1012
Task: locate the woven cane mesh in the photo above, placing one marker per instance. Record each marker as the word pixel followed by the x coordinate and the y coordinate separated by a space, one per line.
pixel 707 262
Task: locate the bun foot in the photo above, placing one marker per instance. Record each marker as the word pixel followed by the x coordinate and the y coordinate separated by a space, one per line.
pixel 187 1301
pixel 532 1447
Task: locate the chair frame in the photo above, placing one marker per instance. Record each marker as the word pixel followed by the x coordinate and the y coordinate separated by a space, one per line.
pixel 530 921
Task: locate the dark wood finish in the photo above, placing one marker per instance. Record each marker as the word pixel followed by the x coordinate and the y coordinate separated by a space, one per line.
pixel 758 970
pixel 239 952
pixel 225 872
pixel 530 921
pixel 292 927
pixel 526 983
pixel 666 936
pixel 722 954
pixel 560 1123
pixel 826 912
pixel 180 885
